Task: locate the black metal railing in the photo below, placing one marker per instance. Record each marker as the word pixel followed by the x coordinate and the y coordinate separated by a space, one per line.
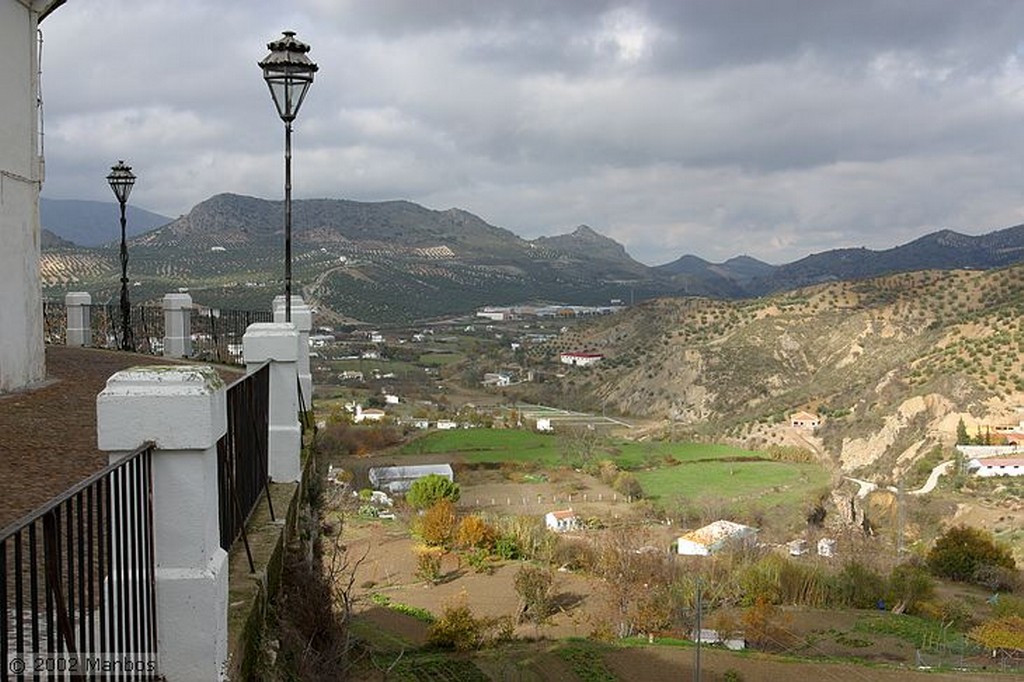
pixel 78 594
pixel 242 456
pixel 216 334
pixel 55 322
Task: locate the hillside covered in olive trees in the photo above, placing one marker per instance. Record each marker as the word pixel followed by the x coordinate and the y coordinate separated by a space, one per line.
pixel 891 363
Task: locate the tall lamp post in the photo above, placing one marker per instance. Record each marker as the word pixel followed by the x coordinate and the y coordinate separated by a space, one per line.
pixel 289 73
pixel 121 181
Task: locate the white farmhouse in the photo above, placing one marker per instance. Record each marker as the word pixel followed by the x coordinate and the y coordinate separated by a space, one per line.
pixel 714 537
pixel 562 520
pixel 372 414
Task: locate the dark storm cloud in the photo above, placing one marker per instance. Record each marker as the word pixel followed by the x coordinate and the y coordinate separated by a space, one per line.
pixel 674 127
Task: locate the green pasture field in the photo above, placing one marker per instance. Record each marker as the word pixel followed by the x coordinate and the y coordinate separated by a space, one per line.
pixel 771 482
pixel 503 445
pixel 489 445
pixel 439 359
pixel 666 471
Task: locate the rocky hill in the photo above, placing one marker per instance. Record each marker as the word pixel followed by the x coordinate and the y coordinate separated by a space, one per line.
pixel 381 262
pixel 891 362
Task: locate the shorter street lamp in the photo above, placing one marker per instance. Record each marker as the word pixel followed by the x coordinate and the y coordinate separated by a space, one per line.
pixel 121 181
pixel 288 73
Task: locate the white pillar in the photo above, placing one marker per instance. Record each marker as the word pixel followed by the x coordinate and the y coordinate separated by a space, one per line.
pixel 79 331
pixel 278 343
pixel 183 410
pixel 302 318
pixel 177 325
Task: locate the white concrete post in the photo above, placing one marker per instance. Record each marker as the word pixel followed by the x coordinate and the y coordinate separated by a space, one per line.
pixel 79 331
pixel 183 409
pixel 302 318
pixel 278 343
pixel 177 325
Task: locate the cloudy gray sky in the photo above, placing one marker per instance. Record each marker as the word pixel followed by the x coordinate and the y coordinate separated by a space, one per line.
pixel 713 127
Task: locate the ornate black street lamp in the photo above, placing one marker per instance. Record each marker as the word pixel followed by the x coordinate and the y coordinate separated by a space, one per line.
pixel 289 73
pixel 121 181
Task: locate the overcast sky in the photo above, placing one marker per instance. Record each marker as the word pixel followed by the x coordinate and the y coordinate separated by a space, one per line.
pixel 773 128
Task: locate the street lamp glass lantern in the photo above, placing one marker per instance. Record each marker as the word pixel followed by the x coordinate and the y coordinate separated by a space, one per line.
pixel 288 72
pixel 121 181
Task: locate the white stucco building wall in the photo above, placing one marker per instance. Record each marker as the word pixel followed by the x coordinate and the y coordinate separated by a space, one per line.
pixel 21 175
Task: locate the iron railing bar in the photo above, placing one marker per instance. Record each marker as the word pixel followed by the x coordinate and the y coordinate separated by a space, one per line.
pixel 151 568
pixel 51 537
pixel 83 568
pixel 238 511
pixel 242 379
pixel 33 560
pixel 122 558
pixel 137 548
pixel 51 615
pixel 19 606
pixel 101 559
pixel 111 564
pixel 213 335
pixel 261 448
pixel 90 559
pixel 59 499
pixel 4 644
pixel 69 524
pixel 127 538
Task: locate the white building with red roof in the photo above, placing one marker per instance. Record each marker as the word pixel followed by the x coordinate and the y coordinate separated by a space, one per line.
pixel 997 466
pixel 580 359
pixel 562 520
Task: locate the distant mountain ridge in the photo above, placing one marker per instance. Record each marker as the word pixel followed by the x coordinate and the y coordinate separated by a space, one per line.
pixel 92 223
pixel 397 260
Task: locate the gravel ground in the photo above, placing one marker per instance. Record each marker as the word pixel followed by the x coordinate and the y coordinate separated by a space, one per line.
pixel 48 434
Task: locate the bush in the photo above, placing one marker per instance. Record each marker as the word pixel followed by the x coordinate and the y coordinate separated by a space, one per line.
pixel 1005 633
pixel 534 587
pixel 456 629
pixel 436 526
pixel 859 587
pixel 910 584
pixel 431 489
pixel 428 563
pixel 961 551
pixel 528 535
pixel 1008 605
pixel 626 484
pixel 479 560
pixel 506 548
pixel 765 626
pixel 574 554
pixel 474 533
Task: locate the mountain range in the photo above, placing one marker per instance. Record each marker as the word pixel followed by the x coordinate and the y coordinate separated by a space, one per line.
pixel 397 261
